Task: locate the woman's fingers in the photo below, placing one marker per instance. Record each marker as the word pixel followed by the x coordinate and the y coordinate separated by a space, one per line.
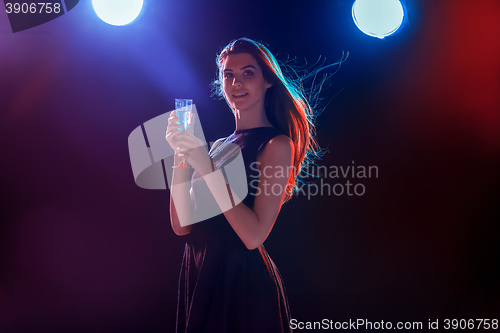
pixel 174 128
pixel 173 120
pixel 171 134
pixel 177 137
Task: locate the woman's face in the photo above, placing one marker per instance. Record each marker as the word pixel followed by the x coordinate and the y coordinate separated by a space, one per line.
pixel 243 83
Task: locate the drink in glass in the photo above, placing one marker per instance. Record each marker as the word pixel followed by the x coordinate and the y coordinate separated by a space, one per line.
pixel 183 109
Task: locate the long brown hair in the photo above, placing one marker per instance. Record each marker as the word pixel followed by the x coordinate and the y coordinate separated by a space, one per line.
pixel 287 108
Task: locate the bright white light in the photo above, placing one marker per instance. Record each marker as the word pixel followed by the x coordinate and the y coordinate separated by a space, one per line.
pixel 378 18
pixel 117 12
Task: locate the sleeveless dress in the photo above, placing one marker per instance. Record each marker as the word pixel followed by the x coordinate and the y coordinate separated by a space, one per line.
pixel 223 286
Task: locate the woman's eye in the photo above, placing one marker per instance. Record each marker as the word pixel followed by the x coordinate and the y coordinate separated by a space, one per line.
pixel 248 73
pixel 228 75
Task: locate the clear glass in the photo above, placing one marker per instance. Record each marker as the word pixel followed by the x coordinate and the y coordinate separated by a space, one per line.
pixel 183 108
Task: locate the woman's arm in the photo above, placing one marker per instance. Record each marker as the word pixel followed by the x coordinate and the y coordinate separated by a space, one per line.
pixel 253 226
pixel 182 194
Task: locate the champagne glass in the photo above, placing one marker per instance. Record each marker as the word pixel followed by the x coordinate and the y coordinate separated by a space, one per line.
pixel 183 108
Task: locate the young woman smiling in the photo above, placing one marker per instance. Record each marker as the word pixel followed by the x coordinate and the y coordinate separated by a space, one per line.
pixel 228 282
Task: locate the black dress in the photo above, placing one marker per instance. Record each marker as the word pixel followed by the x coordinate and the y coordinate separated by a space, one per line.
pixel 223 286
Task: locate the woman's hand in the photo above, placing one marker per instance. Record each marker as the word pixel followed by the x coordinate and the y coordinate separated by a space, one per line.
pixel 173 129
pixel 187 145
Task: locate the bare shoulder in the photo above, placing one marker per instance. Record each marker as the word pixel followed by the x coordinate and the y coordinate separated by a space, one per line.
pixel 278 150
pixel 280 143
pixel 216 143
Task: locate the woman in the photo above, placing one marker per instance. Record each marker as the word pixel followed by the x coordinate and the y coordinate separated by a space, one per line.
pixel 228 282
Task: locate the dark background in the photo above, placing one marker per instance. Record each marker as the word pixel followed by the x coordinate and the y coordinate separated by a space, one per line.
pixel 83 249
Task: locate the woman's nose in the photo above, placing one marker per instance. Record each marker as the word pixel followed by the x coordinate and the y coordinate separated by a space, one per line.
pixel 237 83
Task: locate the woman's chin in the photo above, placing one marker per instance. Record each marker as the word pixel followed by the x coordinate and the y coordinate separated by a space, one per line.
pixel 239 106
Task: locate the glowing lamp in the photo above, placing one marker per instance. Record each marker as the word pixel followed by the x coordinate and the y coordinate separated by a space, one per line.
pixel 378 18
pixel 117 12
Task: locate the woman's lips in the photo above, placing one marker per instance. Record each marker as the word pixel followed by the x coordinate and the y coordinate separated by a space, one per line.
pixel 240 95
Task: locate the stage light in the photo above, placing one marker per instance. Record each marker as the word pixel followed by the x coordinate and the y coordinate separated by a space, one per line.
pixel 117 12
pixel 378 18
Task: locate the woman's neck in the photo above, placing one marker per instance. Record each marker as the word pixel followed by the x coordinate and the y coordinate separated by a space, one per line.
pixel 245 120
